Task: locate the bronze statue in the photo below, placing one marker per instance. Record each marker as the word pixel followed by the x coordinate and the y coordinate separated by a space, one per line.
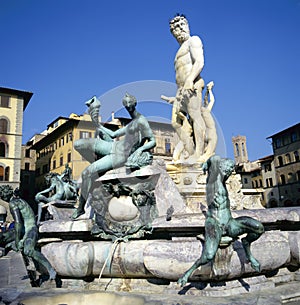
pixel 132 150
pixel 219 221
pixel 61 190
pixel 26 232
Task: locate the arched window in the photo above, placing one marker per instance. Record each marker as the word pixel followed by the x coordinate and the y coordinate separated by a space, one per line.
pixel 2 149
pixel 288 158
pixel 3 125
pixel 290 177
pixel 2 173
pixel 6 176
pixel 54 164
pixel 296 155
pixel 282 179
pixel 237 149
pixel 280 161
pixel 243 150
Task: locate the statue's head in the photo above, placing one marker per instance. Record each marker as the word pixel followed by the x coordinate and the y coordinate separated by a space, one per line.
pixel 179 27
pixel 129 102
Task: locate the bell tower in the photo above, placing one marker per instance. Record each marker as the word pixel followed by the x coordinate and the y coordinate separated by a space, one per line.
pixel 240 149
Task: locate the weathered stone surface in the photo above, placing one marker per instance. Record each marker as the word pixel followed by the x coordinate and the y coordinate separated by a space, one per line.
pixel 186 222
pixel 166 192
pixel 271 217
pixel 167 259
pixel 53 226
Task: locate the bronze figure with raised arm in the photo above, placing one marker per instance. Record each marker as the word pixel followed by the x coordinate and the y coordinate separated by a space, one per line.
pixel 132 150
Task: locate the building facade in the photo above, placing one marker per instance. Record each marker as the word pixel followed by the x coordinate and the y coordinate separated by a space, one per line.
pixel 12 105
pixel 268 174
pixel 286 148
pixel 56 147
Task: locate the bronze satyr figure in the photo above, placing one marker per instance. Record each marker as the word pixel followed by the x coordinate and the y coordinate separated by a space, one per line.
pixel 219 221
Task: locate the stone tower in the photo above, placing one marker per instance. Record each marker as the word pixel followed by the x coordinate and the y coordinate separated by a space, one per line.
pixel 240 149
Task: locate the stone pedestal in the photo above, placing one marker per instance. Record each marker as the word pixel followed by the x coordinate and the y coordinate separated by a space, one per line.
pixel 191 183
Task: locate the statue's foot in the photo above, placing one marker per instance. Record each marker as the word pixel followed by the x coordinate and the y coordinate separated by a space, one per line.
pixel 77 213
pixel 52 274
pixel 182 281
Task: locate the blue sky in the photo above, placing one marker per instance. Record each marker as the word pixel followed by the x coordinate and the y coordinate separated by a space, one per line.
pixel 69 50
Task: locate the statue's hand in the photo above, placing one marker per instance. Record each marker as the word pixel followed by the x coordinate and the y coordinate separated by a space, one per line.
pixel 168 99
pixel 189 85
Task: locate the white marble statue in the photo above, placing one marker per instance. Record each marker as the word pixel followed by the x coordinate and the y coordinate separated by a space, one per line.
pixel 194 128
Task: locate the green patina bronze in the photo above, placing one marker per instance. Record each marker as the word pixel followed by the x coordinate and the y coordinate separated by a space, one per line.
pixel 219 221
pixel 132 150
pixel 26 233
pixel 62 187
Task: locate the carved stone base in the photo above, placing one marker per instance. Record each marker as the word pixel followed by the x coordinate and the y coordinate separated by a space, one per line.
pixel 191 183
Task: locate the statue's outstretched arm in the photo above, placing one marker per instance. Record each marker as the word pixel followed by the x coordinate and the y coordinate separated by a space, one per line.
pixel 113 134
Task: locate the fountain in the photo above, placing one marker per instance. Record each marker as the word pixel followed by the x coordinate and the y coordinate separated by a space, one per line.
pixel 136 232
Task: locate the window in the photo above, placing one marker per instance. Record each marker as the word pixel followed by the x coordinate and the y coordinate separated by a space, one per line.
pixel 61 161
pixel 3 125
pixel 27 153
pixel 260 183
pixel 54 164
pixel 4 173
pixel 293 137
pixel 267 167
pixel 278 143
pixel 167 146
pixel 27 166
pixel 6 178
pixel 69 156
pixel 243 150
pixel 270 182
pixel 296 155
pixel 245 180
pixel 2 149
pixel 237 149
pixel 4 101
pixel 280 161
pixel 288 158
pixel 282 179
pixel 62 141
pixel 85 134
pixel 267 182
pixel 1 173
pixel 290 177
